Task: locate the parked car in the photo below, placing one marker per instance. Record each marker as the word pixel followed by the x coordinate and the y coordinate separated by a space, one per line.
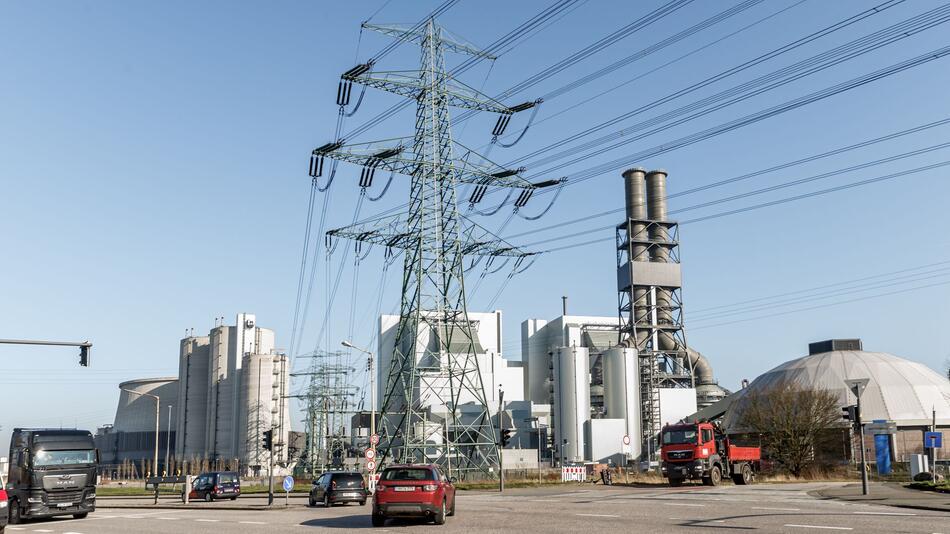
pixel 338 487
pixel 4 507
pixel 413 491
pixel 216 485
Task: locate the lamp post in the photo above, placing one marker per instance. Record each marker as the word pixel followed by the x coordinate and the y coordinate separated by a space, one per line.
pixel 370 367
pixel 168 441
pixel 856 386
pixel 536 425
pixel 157 417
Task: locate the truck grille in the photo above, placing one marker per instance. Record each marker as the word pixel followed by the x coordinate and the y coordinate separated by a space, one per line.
pixel 679 455
pixel 60 497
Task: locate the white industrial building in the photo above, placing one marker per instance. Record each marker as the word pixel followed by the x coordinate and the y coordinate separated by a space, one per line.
pixel 232 386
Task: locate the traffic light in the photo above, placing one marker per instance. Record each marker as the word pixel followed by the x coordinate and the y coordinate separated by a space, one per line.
pixel 505 436
pixel 84 355
pixel 268 440
pixel 850 414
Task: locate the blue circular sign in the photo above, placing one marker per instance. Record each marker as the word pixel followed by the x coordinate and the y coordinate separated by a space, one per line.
pixel 288 483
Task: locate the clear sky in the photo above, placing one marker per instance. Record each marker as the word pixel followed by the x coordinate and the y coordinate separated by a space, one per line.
pixel 152 178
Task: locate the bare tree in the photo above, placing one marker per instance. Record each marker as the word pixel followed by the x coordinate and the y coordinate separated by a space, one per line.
pixel 792 421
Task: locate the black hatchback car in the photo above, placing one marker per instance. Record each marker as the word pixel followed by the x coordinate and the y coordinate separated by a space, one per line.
pixel 338 487
pixel 216 485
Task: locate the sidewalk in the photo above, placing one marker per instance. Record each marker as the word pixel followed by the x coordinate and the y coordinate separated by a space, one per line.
pixel 888 494
pixel 168 502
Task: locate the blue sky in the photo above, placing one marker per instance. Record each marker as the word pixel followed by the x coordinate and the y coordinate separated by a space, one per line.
pixel 152 164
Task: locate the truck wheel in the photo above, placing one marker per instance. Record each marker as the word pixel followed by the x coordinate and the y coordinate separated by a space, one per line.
pixel 745 476
pixel 15 517
pixel 714 478
pixel 80 516
pixel 675 482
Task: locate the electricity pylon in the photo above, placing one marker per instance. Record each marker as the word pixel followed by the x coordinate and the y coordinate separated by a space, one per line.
pixel 434 407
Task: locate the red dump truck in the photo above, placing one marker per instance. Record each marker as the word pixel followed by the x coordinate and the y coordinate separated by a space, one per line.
pixel 702 451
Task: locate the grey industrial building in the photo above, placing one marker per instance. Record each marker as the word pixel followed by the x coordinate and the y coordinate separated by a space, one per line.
pixel 232 385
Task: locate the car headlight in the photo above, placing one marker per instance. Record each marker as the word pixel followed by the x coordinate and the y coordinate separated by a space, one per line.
pixel 34 500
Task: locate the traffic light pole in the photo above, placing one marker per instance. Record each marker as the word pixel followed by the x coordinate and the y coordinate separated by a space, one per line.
pixel 84 346
pixel 864 461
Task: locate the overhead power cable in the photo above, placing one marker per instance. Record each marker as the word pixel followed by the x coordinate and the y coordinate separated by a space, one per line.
pixel 589 50
pixel 746 90
pixel 861 183
pixel 753 174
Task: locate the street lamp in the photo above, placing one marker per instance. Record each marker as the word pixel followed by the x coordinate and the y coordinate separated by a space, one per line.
pixel 536 426
pixel 157 417
pixel 370 367
pixel 856 386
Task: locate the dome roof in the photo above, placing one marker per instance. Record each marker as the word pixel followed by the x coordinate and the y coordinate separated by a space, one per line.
pixel 899 390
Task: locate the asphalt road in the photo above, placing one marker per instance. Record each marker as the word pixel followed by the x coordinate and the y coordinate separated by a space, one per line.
pixel 784 508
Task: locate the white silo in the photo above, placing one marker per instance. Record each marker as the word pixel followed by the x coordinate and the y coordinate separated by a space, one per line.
pixel 571 401
pixel 192 407
pixel 622 392
pixel 264 383
pixel 221 416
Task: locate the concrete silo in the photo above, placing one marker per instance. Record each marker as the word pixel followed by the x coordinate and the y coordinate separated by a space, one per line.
pixel 220 438
pixel 571 401
pixel 265 380
pixel 194 380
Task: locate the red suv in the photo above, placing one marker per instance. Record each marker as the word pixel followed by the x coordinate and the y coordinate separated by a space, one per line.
pixel 4 507
pixel 413 491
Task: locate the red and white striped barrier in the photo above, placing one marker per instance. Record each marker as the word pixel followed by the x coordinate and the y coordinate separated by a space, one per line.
pixel 572 473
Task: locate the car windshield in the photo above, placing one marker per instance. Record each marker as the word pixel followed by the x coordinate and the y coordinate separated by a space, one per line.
pixel 44 458
pixel 227 478
pixel 673 437
pixel 403 473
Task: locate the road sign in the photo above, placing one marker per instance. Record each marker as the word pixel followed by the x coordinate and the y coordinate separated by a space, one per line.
pixel 857 385
pixel 288 483
pixel 626 440
pixel 374 439
pixel 933 440
pixel 369 454
pixel 371 465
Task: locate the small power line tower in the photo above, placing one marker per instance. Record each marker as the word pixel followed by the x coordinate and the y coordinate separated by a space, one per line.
pixel 434 406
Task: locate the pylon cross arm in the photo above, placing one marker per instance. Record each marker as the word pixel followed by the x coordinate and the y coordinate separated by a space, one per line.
pixel 412 84
pixel 404 161
pixel 416 34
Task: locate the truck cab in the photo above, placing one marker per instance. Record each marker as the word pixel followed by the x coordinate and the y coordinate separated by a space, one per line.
pixel 701 450
pixel 52 472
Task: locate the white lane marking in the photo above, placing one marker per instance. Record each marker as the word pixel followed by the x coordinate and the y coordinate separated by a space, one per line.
pixel 684 504
pixel 208 520
pixel 819 526
pixel 777 509
pixel 882 513
pixel 597 515
pixel 41 530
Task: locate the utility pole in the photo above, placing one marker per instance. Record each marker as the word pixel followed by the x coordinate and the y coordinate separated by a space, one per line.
pixel 857 386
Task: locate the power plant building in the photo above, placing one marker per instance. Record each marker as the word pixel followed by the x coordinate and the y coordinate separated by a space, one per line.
pixel 232 385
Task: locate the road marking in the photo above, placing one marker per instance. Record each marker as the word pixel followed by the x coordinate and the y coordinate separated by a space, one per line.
pixel 41 530
pixel 597 515
pixel 882 513
pixel 819 526
pixel 684 504
pixel 777 509
pixel 208 520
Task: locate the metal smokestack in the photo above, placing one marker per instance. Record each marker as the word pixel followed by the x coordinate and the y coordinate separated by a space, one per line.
pixel 636 204
pixel 656 211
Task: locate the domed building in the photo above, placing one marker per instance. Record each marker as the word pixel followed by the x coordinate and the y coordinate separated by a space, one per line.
pixel 900 391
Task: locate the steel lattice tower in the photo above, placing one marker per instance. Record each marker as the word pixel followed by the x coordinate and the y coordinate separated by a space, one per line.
pixel 434 362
